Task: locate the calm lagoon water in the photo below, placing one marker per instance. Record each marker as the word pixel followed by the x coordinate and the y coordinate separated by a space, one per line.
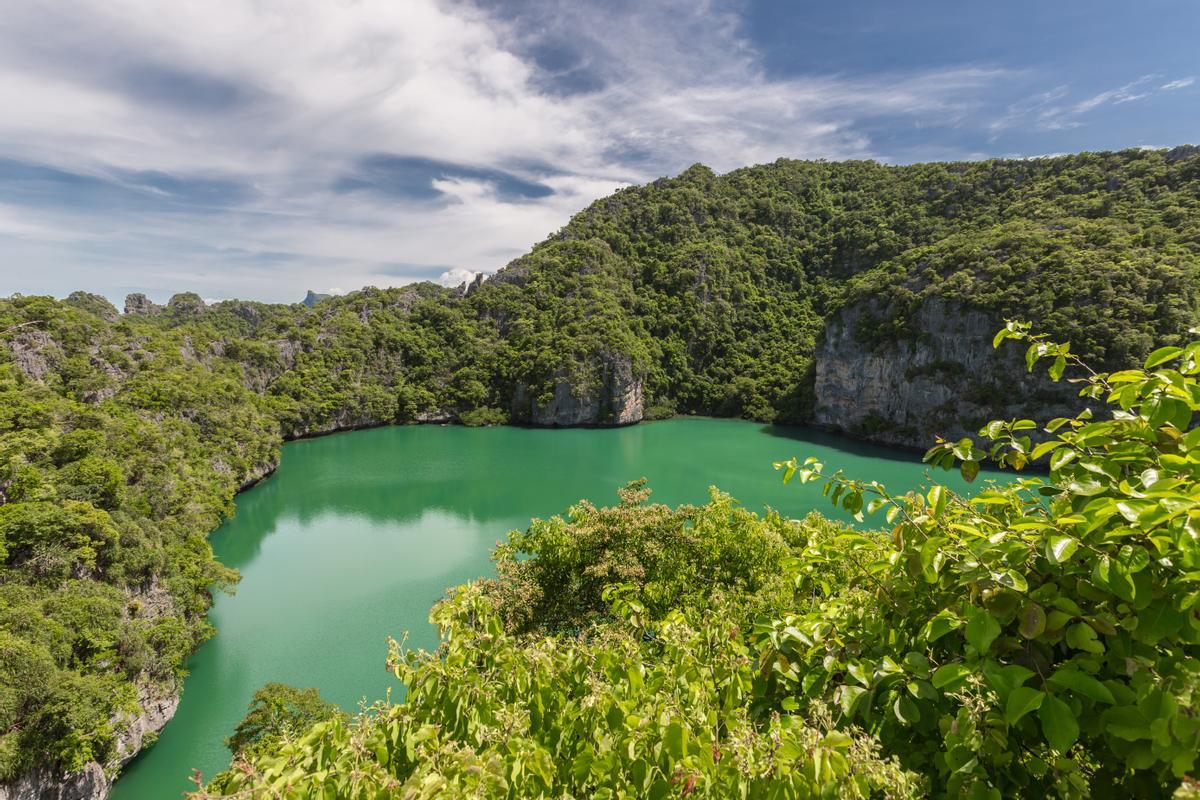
pixel 358 534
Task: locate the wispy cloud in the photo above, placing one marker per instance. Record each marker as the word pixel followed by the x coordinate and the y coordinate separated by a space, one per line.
pixel 1052 111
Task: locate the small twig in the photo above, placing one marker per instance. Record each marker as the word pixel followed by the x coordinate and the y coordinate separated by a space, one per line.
pixel 22 325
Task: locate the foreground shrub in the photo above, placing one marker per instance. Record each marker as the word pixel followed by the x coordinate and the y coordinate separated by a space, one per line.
pixel 628 706
pixel 1041 635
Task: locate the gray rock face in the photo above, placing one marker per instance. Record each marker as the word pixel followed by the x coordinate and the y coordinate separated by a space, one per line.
pixel 137 304
pixel 948 383
pixel 615 397
pixel 90 783
pixel 35 354
pixel 343 420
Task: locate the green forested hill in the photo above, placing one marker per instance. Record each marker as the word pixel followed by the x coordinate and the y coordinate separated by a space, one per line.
pixel 123 437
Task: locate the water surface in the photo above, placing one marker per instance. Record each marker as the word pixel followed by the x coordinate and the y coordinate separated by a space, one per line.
pixel 358 534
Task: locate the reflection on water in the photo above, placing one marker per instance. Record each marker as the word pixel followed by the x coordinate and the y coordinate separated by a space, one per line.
pixel 358 534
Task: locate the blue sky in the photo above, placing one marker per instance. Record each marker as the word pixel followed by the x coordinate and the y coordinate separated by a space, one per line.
pixel 238 148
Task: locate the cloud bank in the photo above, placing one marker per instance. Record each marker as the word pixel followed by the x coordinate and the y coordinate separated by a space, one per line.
pixel 240 147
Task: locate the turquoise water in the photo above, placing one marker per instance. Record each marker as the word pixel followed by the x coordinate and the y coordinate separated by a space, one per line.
pixel 358 534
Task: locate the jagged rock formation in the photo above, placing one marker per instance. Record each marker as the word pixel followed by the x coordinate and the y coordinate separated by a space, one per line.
pixel 35 353
pixel 614 396
pixel 140 305
pixel 186 304
pixel 946 382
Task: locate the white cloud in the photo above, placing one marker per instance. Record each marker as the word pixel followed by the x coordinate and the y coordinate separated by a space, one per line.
pixel 286 100
pixel 1182 83
pixel 456 277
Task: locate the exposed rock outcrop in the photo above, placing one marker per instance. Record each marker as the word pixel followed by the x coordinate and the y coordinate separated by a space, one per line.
pixel 186 304
pixel 612 396
pixel 90 783
pixel 35 353
pixel 344 419
pixel 946 382
pixel 137 304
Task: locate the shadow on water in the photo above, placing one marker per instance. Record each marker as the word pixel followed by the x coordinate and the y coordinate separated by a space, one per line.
pixel 842 443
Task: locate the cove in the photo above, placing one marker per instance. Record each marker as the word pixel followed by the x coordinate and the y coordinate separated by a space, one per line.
pixel 357 534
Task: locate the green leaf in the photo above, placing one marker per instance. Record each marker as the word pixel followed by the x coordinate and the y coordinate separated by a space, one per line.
pixel 939 625
pixel 981 629
pixel 1060 548
pixel 1062 457
pixel 1161 356
pixel 1058 723
pixel 676 739
pixel 906 710
pixel 1128 723
pixel 1011 579
pixel 1081 636
pixel 1081 683
pixel 849 698
pixel 1033 621
pixel 969 470
pixel 1004 679
pixel 950 676
pixel 1057 368
pixel 1021 701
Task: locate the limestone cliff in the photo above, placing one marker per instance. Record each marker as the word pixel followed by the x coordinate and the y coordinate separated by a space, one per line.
pixel 137 304
pixel 611 395
pixel 947 380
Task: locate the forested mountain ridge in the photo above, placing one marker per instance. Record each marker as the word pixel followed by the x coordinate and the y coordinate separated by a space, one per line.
pixel 853 294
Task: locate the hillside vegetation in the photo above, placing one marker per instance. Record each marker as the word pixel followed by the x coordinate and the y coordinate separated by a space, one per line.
pixel 124 437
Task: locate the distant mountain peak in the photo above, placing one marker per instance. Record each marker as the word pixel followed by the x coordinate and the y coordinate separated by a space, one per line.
pixel 312 298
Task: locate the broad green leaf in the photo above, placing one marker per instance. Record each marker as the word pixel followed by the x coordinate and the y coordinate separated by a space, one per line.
pixel 1081 636
pixel 981 628
pixel 1033 621
pixel 1057 368
pixel 906 710
pixel 1081 683
pixel 1011 579
pixel 969 470
pixel 950 676
pixel 1059 725
pixel 676 740
pixel 939 625
pixel 1127 722
pixel 1060 548
pixel 1021 701
pixel 1161 356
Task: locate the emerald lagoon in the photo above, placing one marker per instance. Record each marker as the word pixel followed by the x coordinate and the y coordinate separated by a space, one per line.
pixel 358 534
